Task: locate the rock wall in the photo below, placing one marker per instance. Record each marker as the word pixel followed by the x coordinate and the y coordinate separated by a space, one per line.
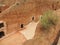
pixel 22 11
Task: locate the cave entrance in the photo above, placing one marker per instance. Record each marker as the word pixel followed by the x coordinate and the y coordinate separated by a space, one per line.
pixel 22 25
pixel 0 11
pixel 2 34
pixel 1 25
pixel 33 18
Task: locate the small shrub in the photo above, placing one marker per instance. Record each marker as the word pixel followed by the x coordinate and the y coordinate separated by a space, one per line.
pixel 48 19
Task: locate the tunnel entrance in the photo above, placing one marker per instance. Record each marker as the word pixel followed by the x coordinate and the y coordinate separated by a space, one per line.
pixel 2 34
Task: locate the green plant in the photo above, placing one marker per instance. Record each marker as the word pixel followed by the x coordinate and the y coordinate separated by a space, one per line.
pixel 48 19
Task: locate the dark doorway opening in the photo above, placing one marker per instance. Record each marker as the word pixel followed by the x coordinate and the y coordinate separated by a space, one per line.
pixel 33 18
pixel 17 4
pixel 0 11
pixel 2 34
pixel 55 9
pixel 1 25
pixel 22 25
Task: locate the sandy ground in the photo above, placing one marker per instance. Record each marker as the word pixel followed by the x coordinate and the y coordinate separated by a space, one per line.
pixel 14 39
pixel 18 38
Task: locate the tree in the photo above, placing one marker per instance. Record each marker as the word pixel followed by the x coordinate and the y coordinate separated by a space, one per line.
pixel 48 19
